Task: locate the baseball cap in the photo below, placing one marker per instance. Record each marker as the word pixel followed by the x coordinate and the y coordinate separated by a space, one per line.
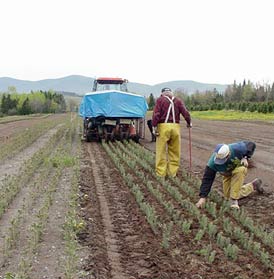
pixel 166 89
pixel 222 151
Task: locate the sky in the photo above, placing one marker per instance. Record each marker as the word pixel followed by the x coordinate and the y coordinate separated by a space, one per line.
pixel 144 41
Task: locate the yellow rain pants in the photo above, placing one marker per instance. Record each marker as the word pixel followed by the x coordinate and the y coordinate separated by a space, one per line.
pixel 168 148
pixel 233 185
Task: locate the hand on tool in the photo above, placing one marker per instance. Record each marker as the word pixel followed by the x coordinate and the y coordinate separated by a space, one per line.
pixel 189 125
pixel 155 131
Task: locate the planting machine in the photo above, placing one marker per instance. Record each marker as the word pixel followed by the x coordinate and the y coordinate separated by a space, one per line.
pixel 110 112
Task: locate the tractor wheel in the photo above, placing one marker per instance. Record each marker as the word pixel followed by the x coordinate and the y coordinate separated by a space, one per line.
pixel 88 138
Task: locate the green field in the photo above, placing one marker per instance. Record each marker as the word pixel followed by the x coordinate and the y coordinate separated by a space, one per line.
pixel 227 115
pixel 232 115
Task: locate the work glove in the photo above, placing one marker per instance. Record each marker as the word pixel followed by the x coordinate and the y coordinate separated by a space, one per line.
pixel 201 202
pixel 189 125
pixel 244 162
pixel 155 131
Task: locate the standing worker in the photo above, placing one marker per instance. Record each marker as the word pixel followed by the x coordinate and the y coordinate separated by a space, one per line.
pixel 165 122
pixel 149 124
pixel 231 161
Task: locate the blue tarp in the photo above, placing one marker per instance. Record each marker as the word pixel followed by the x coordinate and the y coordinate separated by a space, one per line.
pixel 113 104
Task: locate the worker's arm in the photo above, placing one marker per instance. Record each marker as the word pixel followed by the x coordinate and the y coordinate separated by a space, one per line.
pixel 207 181
pixel 250 148
pixel 156 113
pixel 185 113
pixel 243 151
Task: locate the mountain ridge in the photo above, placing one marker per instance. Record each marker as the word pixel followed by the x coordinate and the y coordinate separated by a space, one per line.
pixel 81 84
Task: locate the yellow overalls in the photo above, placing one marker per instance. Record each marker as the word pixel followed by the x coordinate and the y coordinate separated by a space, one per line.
pixel 233 185
pixel 168 145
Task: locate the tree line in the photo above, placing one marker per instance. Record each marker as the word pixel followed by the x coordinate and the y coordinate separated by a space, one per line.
pixel 13 103
pixel 244 96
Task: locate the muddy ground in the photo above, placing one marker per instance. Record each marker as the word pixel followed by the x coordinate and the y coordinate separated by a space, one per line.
pixel 117 241
pixel 50 256
pixel 205 135
pixel 120 242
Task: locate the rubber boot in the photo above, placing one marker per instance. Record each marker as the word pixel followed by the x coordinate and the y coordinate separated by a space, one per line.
pixel 257 185
pixel 234 204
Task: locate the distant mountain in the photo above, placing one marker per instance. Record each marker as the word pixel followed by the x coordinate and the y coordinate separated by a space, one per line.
pixel 190 86
pixel 81 84
pixel 75 83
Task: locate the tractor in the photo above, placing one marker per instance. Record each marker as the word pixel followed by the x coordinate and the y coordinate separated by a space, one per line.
pixel 111 113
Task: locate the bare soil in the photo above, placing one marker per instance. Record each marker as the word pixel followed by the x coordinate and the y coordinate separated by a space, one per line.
pixel 117 241
pixel 48 262
pixel 13 127
pixel 205 135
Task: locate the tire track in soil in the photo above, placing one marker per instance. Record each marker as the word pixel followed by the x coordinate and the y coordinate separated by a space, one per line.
pixel 101 175
pixel 120 241
pixel 137 249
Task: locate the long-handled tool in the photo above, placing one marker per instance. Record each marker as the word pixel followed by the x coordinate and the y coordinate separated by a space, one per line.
pixel 189 143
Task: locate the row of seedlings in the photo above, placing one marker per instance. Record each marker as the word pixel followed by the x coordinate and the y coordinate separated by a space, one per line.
pixel 12 185
pixel 230 249
pixel 15 143
pixel 54 162
pixel 155 220
pixel 34 182
pixel 182 219
pixel 216 200
pixel 73 224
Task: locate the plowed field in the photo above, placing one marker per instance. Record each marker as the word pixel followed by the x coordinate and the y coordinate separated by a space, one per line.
pixel 122 240
pixel 135 225
pixel 205 135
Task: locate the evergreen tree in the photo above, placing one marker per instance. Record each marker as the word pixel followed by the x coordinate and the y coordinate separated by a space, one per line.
pixel 26 108
pixel 271 94
pixel 8 104
pixel 151 102
pixel 4 104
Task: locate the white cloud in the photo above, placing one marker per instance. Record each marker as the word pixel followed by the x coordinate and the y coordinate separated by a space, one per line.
pixel 144 41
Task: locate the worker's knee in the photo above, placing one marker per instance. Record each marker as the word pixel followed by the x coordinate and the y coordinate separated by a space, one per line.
pixel 240 170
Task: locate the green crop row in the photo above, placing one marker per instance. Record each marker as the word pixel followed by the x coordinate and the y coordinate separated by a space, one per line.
pixel 210 222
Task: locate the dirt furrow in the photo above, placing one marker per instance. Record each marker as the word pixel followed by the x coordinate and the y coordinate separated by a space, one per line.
pixel 25 195
pixel 50 261
pixel 111 237
pixel 12 166
pixel 18 253
pixel 120 241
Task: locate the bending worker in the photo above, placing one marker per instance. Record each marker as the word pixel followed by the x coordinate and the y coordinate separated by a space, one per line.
pixel 231 161
pixel 165 122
